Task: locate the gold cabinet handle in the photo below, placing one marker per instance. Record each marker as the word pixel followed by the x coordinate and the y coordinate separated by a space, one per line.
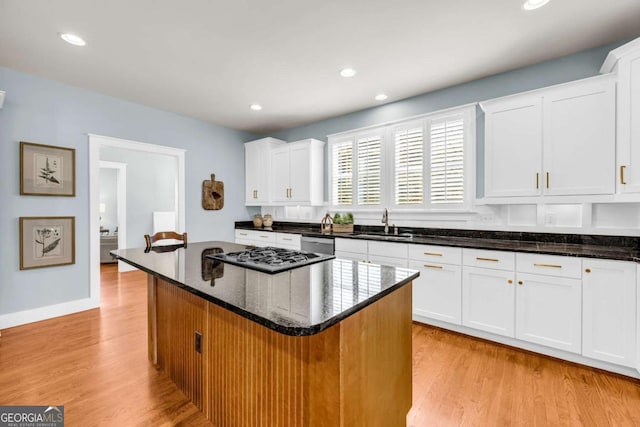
pixel 622 181
pixel 587 270
pixel 243 234
pixel 510 281
pixel 520 282
pixel 432 266
pixel 264 237
pixel 539 264
pixel 285 238
pixel 537 180
pixel 487 259
pixel 433 253
pixel 547 179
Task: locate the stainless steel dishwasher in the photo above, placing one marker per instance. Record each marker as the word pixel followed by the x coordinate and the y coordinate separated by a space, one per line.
pixel 320 245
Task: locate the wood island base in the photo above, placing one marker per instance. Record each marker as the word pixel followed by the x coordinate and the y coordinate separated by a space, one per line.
pixel 355 373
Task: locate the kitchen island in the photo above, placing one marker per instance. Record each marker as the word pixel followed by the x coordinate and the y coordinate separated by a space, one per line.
pixel 327 344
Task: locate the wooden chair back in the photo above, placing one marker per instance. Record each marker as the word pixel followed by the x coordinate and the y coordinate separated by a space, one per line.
pixel 164 235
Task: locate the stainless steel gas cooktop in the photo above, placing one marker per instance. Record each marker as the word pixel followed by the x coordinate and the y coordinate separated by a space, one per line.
pixel 271 260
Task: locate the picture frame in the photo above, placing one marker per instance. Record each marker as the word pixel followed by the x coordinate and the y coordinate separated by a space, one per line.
pixel 47 241
pixel 47 170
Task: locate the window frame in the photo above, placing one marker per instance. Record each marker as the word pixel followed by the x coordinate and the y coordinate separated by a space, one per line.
pixel 387 133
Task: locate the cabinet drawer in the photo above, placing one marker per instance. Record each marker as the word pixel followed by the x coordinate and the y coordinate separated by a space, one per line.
pixel 288 239
pixel 245 234
pixel 388 249
pixel 549 265
pixel 496 260
pixel 351 245
pixel 437 254
pixel 264 238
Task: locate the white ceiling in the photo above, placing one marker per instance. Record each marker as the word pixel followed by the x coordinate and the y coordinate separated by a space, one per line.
pixel 211 59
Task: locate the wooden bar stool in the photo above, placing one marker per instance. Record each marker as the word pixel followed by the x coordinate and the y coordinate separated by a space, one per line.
pixel 165 235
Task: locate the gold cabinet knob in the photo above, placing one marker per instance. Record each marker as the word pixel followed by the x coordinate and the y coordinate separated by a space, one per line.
pixel 587 270
pixel 520 282
pixel 509 281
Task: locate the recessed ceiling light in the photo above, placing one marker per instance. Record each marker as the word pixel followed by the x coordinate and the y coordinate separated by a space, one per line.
pixel 347 72
pixel 73 39
pixel 534 4
pixel 381 97
pixel 256 107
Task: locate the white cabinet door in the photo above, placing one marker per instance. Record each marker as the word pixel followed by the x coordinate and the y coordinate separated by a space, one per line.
pixel 280 174
pixel 513 147
pixel 609 311
pixel 488 300
pixel 548 311
pixel 298 173
pixel 629 123
pixel 437 293
pixel 299 177
pixel 253 175
pixel 257 163
pixel 579 138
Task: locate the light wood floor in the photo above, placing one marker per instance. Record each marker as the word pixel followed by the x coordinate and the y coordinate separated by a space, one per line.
pixel 95 364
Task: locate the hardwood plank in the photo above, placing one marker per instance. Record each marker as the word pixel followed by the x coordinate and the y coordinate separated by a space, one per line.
pixel 95 363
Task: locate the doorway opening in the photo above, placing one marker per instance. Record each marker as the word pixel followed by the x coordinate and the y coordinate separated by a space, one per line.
pixel 141 161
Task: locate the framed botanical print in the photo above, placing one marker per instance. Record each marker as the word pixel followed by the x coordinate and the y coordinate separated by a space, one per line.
pixel 46 170
pixel 47 241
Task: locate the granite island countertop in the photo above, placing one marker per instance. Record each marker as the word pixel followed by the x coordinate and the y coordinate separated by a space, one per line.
pixel 302 301
pixel 622 248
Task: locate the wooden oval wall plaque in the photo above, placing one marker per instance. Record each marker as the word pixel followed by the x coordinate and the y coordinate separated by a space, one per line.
pixel 212 194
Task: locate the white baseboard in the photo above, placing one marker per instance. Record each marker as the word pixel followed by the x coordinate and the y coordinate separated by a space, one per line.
pixel 43 313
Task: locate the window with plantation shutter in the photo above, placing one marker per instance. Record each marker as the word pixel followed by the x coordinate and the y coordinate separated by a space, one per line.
pixel 447 160
pixel 342 174
pixel 423 164
pixel 369 170
pixel 409 167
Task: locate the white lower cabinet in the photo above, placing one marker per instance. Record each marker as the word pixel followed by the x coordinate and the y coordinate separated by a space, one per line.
pixel 609 311
pixel 488 291
pixel 488 300
pixel 437 293
pixel 548 311
pixel 383 253
pixel 268 238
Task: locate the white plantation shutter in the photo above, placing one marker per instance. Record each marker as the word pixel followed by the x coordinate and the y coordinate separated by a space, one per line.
pixel 369 170
pixel 447 160
pixel 342 174
pixel 409 165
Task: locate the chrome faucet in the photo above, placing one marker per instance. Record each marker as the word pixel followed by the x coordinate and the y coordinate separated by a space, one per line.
pixel 385 221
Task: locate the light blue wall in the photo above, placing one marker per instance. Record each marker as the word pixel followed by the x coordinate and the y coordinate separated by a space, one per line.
pixel 573 67
pixel 149 189
pixel 47 112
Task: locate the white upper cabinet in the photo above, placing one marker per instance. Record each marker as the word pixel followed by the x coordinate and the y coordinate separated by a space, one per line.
pixel 579 137
pixel 625 62
pixel 257 156
pixel 513 153
pixel 297 175
pixel 554 141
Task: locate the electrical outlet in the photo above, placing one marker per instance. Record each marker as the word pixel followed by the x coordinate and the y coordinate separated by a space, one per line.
pixel 198 342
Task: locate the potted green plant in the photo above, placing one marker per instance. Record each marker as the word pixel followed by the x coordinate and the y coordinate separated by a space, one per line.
pixel 343 223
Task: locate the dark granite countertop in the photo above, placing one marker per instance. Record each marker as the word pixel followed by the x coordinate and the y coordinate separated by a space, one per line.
pixel 623 248
pixel 303 301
